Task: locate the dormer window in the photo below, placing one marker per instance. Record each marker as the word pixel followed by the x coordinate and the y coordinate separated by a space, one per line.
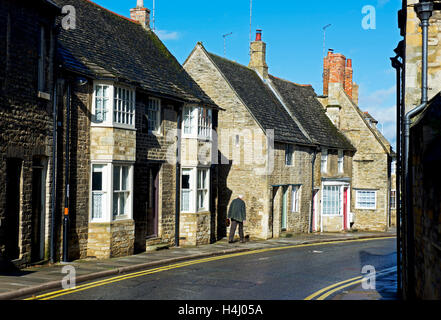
pixel 113 106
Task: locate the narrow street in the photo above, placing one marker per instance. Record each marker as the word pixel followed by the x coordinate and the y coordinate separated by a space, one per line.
pixel 287 274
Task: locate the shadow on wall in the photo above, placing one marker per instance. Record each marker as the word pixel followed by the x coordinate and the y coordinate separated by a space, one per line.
pixel 224 195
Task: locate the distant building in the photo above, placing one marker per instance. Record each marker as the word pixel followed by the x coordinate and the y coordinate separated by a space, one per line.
pixel 263 112
pixel 371 176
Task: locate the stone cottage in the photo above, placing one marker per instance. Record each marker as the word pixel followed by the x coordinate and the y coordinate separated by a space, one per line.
pixel 27 39
pixel 269 136
pixel 140 135
pixel 371 174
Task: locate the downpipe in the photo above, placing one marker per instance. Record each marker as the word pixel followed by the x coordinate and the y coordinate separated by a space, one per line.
pixel 424 11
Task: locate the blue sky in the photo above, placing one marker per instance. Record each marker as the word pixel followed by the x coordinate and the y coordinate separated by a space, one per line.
pixel 293 32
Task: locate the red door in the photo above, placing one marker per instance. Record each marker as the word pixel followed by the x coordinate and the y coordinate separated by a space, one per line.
pixel 345 209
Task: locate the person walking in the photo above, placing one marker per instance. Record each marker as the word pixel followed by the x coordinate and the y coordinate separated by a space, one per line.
pixel 237 215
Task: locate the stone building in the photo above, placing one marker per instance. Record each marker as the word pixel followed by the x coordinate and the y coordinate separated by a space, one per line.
pixel 371 176
pixel 137 124
pixel 27 39
pixel 420 214
pixel 269 136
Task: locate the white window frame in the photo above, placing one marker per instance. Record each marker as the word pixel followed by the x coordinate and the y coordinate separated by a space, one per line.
pixel 193 206
pixel 157 130
pixel 124 106
pixel 127 192
pixel 112 108
pixel 295 199
pixel 205 189
pixel 357 199
pixel 341 161
pixel 104 169
pixel 340 188
pixel 107 210
pixel 200 127
pixel 324 161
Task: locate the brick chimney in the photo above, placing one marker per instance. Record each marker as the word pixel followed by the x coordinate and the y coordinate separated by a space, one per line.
pixel 258 55
pixel 338 74
pixel 141 14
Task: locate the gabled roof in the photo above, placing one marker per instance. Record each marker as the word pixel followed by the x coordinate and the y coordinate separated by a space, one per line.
pixel 111 47
pixel 260 101
pixel 303 104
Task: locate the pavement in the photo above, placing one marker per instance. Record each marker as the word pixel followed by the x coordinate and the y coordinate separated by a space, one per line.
pixel 36 279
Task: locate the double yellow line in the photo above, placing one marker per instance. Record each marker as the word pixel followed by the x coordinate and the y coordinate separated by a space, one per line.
pixel 326 292
pixel 63 292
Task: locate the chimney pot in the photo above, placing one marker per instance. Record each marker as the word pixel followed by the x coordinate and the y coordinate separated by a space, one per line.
pixel 141 14
pixel 258 35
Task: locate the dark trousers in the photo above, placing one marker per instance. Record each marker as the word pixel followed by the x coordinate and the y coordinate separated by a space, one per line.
pixel 234 224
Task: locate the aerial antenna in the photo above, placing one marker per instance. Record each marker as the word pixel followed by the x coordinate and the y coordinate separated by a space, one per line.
pixel 324 39
pixel 251 22
pixel 225 42
pixel 153 20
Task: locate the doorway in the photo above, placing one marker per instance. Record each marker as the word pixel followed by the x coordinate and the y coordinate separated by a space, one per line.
pixel 12 217
pixel 38 209
pixel 153 202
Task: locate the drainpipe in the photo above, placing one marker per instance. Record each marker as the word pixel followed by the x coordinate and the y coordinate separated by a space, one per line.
pixel 54 173
pixel 66 189
pixel 397 65
pixel 424 11
pixel 178 181
pixel 311 218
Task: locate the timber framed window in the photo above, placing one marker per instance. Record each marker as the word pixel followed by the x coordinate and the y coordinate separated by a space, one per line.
pixel 324 161
pixel 203 182
pixel 154 115
pixel 121 191
pixel 332 200
pixel 195 189
pixel 197 123
pixel 295 196
pixel 341 161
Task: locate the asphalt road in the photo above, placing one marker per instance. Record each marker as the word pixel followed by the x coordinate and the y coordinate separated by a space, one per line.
pixel 290 274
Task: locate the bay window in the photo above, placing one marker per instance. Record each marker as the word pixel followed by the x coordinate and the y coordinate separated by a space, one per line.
pixel 113 105
pixel 111 192
pixel 195 186
pixel 197 122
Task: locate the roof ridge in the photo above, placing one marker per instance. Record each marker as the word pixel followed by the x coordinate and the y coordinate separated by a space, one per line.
pixel 297 84
pixel 231 61
pixel 110 11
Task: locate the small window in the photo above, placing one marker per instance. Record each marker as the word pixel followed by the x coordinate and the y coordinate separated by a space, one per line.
pixel 393 199
pixel 340 161
pixel 98 191
pixel 202 197
pixel 394 167
pixel 204 123
pixel 42 77
pixel 154 115
pixel 324 161
pixel 366 199
pixel 121 191
pixel 186 191
pixel 188 120
pixel 295 199
pixel 102 102
pixel 289 155
pixel 124 106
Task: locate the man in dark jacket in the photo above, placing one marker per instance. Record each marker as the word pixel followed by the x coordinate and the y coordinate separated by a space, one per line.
pixel 237 214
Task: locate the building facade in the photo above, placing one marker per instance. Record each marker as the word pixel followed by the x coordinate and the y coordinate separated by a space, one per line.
pixel 270 135
pixel 371 175
pixel 26 129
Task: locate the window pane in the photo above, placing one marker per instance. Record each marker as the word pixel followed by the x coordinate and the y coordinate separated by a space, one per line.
pixel 185 200
pixel 97 181
pixel 185 180
pixel 116 178
pixel 115 204
pixel 97 205
pixel 125 178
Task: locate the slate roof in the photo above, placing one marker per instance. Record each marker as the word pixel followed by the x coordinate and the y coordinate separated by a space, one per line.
pixel 303 104
pixel 111 47
pixel 261 102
